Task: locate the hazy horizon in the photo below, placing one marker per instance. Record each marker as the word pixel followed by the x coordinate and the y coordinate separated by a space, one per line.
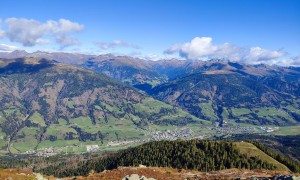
pixel 253 32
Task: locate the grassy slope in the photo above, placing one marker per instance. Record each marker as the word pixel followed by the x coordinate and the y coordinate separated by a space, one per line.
pixel 252 151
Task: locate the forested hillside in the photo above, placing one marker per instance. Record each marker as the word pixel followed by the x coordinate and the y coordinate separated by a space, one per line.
pixel 193 154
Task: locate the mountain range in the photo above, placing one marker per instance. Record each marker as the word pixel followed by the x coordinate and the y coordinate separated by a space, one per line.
pixel 214 90
pixel 43 101
pixel 65 98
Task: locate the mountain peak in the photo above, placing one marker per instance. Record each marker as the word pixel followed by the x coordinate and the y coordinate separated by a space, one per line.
pixel 19 53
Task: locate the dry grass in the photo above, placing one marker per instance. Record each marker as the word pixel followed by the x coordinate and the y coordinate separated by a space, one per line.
pixel 175 174
pixel 158 173
pixel 14 174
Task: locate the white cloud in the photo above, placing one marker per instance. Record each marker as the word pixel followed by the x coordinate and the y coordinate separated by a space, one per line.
pixel 66 41
pixel 229 51
pixel 198 48
pixel 286 61
pixel 25 31
pixel 5 47
pixel 62 26
pixel 30 32
pixel 258 55
pixel 115 44
pixel 43 41
pixel 295 61
pixel 2 33
pixel 202 48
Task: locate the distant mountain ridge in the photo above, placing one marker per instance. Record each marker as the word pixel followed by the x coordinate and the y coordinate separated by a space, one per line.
pixel 70 58
pixel 216 90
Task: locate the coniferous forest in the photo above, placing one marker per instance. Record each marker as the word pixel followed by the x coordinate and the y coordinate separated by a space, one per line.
pixel 182 154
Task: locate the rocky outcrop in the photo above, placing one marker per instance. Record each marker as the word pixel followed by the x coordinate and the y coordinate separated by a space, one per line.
pixel 136 177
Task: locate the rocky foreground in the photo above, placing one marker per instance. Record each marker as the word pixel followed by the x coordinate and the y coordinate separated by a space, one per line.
pixel 159 173
pixel 147 173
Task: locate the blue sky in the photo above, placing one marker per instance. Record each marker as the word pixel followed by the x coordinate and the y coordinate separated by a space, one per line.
pixel 263 30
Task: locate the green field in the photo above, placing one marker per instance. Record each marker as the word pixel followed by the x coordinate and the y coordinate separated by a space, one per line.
pixel 265 112
pixel 3 140
pixel 225 114
pixel 59 130
pixel 125 128
pixel 149 105
pixel 287 130
pixel 37 118
pixel 207 110
pixel 240 111
pixel 27 140
pixel 270 114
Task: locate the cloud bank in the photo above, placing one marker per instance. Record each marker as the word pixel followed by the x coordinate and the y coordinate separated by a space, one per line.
pixel 201 48
pixel 295 61
pixel 30 32
pixel 5 47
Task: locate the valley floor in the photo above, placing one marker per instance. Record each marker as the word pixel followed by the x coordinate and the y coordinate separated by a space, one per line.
pixel 156 133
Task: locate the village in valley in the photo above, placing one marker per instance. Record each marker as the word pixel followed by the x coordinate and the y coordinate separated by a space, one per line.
pixel 185 133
